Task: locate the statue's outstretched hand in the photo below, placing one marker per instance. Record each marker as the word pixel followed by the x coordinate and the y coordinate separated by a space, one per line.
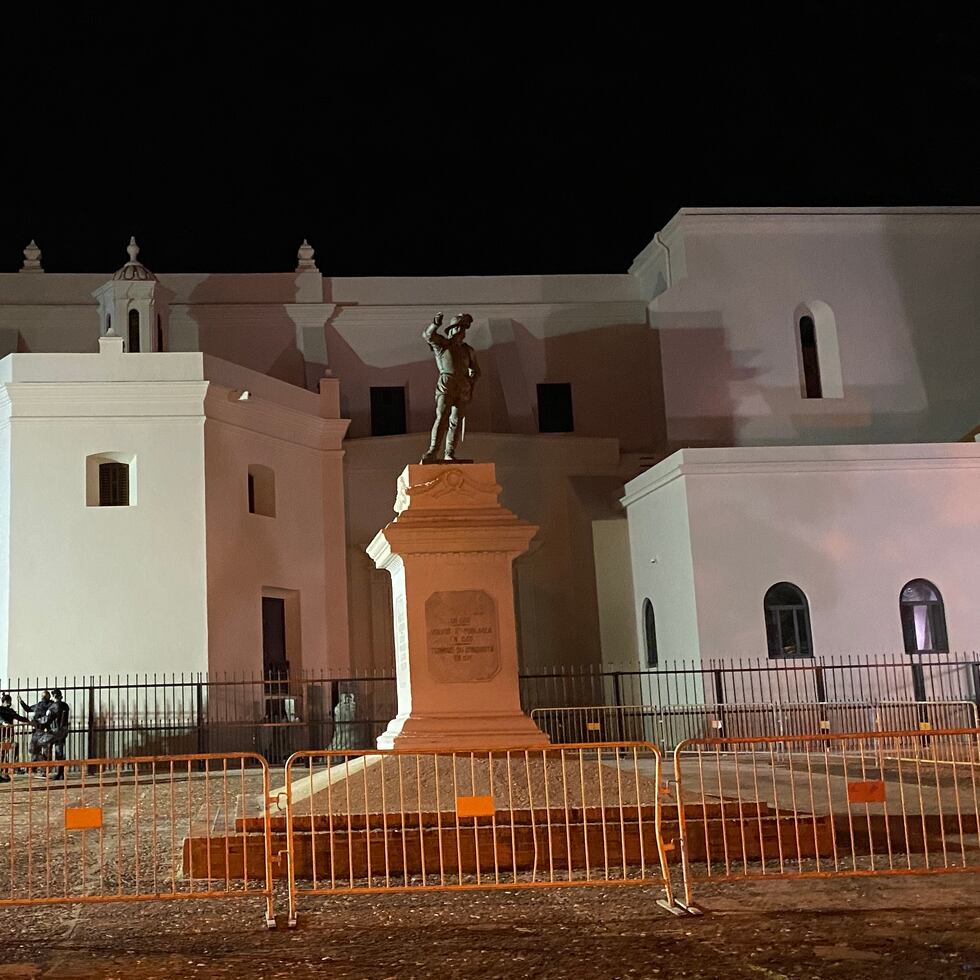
pixel 437 319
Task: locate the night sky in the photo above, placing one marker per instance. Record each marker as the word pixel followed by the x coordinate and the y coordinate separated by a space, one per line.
pixel 221 135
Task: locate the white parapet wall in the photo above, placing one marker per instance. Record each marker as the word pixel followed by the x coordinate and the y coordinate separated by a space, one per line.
pixel 712 529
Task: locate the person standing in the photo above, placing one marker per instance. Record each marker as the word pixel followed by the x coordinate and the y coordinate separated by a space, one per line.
pixel 37 716
pixel 8 747
pixel 56 727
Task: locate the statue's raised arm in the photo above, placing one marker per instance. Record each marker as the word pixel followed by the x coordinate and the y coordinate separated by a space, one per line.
pixel 431 333
pixel 458 372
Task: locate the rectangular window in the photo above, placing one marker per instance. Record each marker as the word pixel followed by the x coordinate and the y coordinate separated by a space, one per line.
pixel 251 494
pixel 555 408
pixel 388 411
pixel 113 485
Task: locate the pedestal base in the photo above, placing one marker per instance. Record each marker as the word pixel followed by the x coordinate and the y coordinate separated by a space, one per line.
pixel 450 552
pixel 469 733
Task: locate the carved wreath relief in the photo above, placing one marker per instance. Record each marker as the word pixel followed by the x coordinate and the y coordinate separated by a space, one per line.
pixel 462 635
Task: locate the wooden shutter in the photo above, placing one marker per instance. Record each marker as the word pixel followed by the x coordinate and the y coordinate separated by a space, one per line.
pixel 113 484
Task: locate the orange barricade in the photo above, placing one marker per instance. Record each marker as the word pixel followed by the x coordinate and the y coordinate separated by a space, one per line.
pixel 380 821
pixel 136 829
pixel 797 806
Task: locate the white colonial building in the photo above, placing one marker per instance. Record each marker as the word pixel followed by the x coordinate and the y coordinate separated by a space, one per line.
pixel 193 464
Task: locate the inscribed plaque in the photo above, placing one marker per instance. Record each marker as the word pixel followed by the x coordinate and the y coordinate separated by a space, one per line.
pixel 461 629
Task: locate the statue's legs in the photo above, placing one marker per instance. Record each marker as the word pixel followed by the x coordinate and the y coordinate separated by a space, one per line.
pixel 456 415
pixel 438 430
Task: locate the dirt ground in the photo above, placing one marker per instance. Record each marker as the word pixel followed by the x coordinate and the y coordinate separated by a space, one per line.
pixel 908 928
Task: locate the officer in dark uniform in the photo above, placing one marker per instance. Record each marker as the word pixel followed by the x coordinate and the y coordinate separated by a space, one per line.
pixel 8 752
pixel 37 716
pixel 55 734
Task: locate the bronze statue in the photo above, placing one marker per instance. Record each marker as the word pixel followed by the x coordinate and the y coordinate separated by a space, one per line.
pixel 458 372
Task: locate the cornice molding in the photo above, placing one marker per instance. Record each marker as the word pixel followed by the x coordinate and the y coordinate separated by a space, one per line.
pixel 682 465
pixel 88 399
pixel 575 313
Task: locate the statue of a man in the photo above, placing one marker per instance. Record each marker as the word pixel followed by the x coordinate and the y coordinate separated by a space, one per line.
pixel 458 372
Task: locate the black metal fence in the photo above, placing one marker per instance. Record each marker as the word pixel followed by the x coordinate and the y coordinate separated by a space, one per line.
pixel 276 716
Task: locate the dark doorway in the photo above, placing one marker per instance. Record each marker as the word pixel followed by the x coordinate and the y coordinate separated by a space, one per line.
pixel 134 332
pixel 274 661
pixel 275 666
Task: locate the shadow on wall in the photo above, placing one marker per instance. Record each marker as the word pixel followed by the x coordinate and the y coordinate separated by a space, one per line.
pixel 938 278
pixel 259 337
pixel 614 372
pixel 13 342
pixel 701 377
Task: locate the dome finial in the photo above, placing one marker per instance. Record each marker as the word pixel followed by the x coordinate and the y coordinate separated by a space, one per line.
pixel 305 255
pixel 134 270
pixel 32 258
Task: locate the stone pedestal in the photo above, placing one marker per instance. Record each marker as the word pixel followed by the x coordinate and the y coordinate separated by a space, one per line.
pixel 449 552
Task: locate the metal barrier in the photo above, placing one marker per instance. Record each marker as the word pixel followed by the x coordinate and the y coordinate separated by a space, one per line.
pixel 393 821
pixel 907 715
pixel 135 829
pixel 798 806
pixel 668 725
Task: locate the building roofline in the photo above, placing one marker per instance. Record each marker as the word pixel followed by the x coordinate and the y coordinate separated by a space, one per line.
pixel 744 460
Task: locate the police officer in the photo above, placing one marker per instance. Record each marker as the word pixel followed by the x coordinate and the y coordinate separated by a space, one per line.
pixel 37 716
pixel 7 718
pixel 55 732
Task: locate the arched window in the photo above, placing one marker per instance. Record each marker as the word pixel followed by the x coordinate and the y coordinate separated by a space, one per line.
pixel 787 621
pixel 819 351
pixel 261 490
pixel 134 331
pixel 650 633
pixel 923 618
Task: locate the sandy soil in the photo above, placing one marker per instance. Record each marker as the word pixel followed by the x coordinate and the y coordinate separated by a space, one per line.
pixel 909 928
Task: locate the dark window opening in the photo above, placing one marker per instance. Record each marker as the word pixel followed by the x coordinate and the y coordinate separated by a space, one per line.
pixel 113 484
pixel 811 362
pixel 555 408
pixel 388 411
pixel 923 618
pixel 650 633
pixel 134 331
pixel 159 333
pixel 787 622
pixel 261 490
pixel 275 666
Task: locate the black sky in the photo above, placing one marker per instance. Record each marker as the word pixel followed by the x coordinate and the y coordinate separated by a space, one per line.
pixel 469 144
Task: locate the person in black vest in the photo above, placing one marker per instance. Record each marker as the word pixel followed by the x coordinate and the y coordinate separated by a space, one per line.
pixel 55 734
pixel 8 752
pixel 37 716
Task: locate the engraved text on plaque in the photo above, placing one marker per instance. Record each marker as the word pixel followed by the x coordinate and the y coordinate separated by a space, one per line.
pixel 461 628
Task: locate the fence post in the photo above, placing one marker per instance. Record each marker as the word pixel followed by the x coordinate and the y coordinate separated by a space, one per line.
pixel 90 748
pixel 821 689
pixel 201 733
pixel 618 701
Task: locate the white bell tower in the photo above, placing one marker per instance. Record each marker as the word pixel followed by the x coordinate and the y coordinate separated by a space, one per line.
pixel 131 306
